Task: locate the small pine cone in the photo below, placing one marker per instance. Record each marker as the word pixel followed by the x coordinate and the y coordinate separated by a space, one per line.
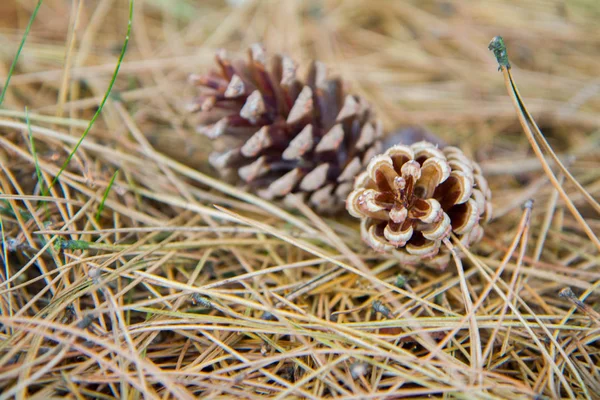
pixel 276 134
pixel 412 197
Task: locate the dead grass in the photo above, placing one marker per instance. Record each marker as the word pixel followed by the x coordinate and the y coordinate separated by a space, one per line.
pixel 184 287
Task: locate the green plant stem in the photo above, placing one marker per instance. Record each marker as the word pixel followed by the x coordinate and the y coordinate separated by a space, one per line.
pixel 110 184
pixel 106 95
pixel 14 63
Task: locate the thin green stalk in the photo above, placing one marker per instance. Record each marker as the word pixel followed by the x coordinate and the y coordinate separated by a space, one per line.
pixel 101 206
pixel 38 171
pixel 14 63
pixel 6 270
pixel 110 86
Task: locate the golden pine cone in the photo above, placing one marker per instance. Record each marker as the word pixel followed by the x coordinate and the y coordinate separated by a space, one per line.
pixel 411 197
pixel 276 134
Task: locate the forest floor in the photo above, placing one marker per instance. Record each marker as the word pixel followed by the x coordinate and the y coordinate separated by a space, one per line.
pixel 130 270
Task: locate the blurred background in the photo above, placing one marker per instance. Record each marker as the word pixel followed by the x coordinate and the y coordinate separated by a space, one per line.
pixel 418 62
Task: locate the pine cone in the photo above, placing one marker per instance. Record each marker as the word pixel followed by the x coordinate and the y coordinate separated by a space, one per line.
pixel 411 197
pixel 276 134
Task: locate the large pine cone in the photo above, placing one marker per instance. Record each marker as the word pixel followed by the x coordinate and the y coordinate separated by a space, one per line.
pixel 277 135
pixel 411 197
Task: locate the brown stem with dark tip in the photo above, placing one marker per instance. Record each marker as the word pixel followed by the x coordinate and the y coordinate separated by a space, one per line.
pixel 526 120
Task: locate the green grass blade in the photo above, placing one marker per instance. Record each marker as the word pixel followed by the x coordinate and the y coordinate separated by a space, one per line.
pixel 38 171
pixel 14 63
pixel 110 86
pixel 101 206
pixel 4 251
pixel 6 268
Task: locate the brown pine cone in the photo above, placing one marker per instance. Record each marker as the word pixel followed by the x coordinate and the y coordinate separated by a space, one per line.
pixel 411 197
pixel 277 134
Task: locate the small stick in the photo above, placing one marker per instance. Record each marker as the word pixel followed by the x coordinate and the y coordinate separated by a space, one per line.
pixel 202 300
pixel 382 309
pixel 581 306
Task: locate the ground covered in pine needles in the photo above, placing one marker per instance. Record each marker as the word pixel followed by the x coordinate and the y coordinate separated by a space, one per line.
pixel 138 274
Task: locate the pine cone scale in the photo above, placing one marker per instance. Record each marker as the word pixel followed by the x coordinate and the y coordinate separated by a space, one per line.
pixel 302 107
pixel 235 88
